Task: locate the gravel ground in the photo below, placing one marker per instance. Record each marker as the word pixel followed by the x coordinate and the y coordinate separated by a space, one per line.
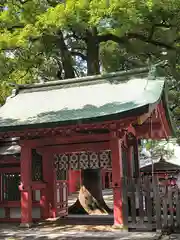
pixel 78 232
pixel 12 232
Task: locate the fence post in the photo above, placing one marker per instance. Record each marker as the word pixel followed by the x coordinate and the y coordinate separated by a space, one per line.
pixel 149 202
pixel 157 203
pixel 140 198
pixel 125 200
pixel 132 188
pixel 170 202
pixel 177 207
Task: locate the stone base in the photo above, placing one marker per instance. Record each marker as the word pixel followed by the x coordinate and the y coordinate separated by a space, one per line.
pixel 120 227
pixel 26 225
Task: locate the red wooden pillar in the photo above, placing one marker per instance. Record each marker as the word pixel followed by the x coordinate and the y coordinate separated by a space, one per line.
pixel 47 193
pixel 26 189
pixel 116 155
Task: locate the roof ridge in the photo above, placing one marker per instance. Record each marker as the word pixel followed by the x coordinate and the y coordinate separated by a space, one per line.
pixel 85 79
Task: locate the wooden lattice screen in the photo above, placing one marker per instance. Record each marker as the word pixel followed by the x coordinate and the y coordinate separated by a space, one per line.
pixel 9 187
pixel 37 172
pixel 83 160
pixel 61 174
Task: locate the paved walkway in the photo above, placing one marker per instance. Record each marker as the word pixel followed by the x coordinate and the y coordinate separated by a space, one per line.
pixel 12 232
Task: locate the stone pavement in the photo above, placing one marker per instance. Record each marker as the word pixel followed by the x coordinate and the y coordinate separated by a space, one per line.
pixel 12 232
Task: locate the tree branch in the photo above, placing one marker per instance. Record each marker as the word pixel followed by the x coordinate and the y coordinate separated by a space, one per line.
pixel 111 37
pixel 15 27
pixel 75 36
pixel 76 48
pixel 74 53
pixel 130 36
pixel 53 3
pixel 153 42
pixel 151 33
pixel 164 25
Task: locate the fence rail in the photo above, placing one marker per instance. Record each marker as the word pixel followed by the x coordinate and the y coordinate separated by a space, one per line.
pixel 149 205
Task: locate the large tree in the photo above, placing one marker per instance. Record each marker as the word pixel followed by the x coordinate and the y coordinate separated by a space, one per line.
pixel 42 40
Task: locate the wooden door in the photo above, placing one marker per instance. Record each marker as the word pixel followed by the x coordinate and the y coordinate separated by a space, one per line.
pixel 61 198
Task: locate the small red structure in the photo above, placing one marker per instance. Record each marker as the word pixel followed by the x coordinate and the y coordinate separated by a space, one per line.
pixel 90 122
pixel 9 178
pixel 167 172
pixel 162 168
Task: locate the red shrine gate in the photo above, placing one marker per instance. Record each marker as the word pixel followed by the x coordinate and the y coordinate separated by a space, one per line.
pixel 55 126
pixel 60 158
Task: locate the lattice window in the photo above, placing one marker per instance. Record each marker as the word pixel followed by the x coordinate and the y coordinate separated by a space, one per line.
pixel 94 160
pixel 105 159
pixel 74 161
pixel 10 187
pixel 37 168
pixel 83 160
pixel 61 166
pixel 61 161
pixel 61 174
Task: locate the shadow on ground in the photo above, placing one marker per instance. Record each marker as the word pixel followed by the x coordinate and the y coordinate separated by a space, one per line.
pixel 73 227
pixel 13 232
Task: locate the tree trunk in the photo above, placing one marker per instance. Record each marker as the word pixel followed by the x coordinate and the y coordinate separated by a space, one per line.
pixel 92 43
pixel 90 200
pixel 66 58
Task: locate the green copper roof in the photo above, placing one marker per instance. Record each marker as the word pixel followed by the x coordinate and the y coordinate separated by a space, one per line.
pixel 84 99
